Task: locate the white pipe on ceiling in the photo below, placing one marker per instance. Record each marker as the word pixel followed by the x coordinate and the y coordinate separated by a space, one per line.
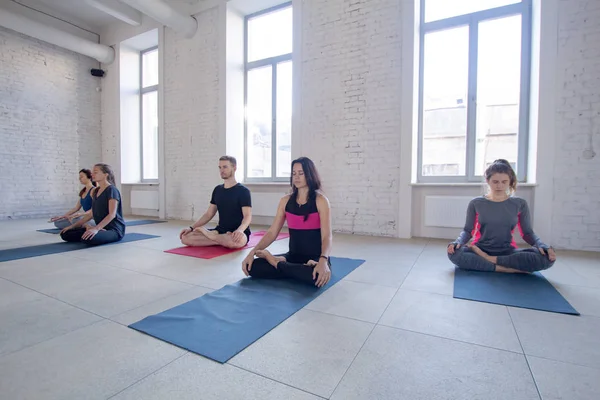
pixel 29 27
pixel 120 11
pixel 166 15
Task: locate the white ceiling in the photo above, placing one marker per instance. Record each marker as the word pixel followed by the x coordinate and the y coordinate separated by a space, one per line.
pixel 76 12
pixel 80 13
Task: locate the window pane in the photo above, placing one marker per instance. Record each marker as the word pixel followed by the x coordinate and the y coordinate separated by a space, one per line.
pixel 150 68
pixel 498 91
pixel 440 9
pixel 270 34
pixel 284 118
pixel 150 134
pixel 445 88
pixel 259 109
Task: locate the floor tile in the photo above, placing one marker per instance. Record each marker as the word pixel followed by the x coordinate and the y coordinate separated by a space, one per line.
pixel 438 315
pixel 360 301
pixel 117 296
pixel 559 337
pixel 561 381
pixel 380 273
pixel 397 364
pixel 310 351
pixel 435 279
pixel 585 300
pixel 90 363
pixel 193 377
pixel 29 317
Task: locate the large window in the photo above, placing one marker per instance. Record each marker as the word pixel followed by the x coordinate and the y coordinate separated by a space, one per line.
pixel 473 87
pixel 268 61
pixel 149 114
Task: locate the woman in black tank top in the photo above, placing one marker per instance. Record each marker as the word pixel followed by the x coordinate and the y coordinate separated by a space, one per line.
pixel 307 214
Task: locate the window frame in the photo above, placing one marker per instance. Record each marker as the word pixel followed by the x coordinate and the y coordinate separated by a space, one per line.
pixel 143 91
pixel 248 66
pixel 472 20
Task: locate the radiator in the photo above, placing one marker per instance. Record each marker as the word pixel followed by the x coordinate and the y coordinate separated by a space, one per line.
pixel 144 199
pixel 265 204
pixel 446 211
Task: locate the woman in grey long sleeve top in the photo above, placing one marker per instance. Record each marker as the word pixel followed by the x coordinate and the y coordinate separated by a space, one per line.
pixel 491 220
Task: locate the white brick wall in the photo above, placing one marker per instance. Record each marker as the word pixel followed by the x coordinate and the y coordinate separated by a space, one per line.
pixel 191 117
pixel 110 117
pixel 49 125
pixel 576 219
pixel 351 95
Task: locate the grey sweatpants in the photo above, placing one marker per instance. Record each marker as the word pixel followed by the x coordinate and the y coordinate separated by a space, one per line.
pixel 63 223
pixel 528 260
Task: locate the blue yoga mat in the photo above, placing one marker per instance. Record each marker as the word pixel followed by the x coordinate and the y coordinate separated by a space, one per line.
pixel 222 323
pixel 531 291
pixel 62 247
pixel 127 223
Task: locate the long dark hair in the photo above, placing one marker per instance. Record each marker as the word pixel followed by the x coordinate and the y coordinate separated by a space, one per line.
pixel 501 166
pixel 313 181
pixel 107 170
pixel 87 173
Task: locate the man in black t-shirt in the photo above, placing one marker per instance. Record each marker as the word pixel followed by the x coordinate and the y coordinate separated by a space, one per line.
pixel 233 202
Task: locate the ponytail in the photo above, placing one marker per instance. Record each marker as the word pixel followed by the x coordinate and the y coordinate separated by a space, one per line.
pixel 107 170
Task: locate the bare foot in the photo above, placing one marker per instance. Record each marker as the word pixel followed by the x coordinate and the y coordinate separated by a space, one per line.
pixel 311 263
pixel 273 260
pixel 507 270
pixel 209 234
pixel 484 255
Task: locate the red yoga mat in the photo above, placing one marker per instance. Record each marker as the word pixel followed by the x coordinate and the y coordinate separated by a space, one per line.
pixel 216 251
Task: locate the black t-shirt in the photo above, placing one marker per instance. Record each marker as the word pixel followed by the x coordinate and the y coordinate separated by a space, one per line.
pixel 100 209
pixel 229 204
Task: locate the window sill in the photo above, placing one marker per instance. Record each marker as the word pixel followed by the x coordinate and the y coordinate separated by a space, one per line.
pixel 140 184
pixel 273 184
pixel 465 184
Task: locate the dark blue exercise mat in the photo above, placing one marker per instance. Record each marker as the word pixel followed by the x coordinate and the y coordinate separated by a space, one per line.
pixel 61 247
pixel 127 223
pixel 531 291
pixel 222 323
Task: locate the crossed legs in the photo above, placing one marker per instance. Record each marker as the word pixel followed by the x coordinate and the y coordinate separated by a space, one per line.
pixel 285 266
pixel 203 237
pixel 518 261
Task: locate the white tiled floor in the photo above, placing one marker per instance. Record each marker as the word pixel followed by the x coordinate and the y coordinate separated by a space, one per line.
pixel 389 330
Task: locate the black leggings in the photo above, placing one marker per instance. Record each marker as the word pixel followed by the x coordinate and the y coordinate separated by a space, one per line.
pixel 102 237
pixel 528 260
pixel 294 268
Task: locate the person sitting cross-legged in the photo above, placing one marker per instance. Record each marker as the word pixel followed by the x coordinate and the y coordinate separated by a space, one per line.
pixel 308 215
pixel 491 220
pixel 233 202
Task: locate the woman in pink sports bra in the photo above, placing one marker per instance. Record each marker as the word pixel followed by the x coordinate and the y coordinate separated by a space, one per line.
pixel 307 214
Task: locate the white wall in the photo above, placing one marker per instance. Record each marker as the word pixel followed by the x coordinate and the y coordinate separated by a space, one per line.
pixel 234 99
pixel 351 105
pixel 576 200
pixel 49 125
pixel 192 98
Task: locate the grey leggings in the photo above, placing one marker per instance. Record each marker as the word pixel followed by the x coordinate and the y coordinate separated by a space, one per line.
pixel 528 260
pixel 63 223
